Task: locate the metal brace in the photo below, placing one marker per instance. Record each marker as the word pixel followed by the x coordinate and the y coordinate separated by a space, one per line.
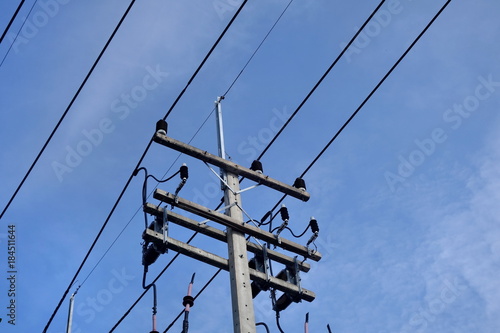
pixel 219 210
pixel 297 274
pixel 224 182
pixel 266 261
pixel 165 226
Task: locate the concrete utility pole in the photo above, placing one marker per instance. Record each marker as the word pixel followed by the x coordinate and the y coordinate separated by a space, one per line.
pixel 241 291
pixel 241 273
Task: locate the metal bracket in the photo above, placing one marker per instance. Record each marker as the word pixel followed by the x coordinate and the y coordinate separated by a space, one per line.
pixel 266 261
pixel 219 210
pixel 248 188
pixel 223 181
pixel 297 274
pixel 165 226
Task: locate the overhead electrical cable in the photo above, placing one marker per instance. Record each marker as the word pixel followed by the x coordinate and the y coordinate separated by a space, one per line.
pixel 18 32
pixel 54 131
pixel 347 122
pixel 80 88
pixel 11 20
pixel 140 161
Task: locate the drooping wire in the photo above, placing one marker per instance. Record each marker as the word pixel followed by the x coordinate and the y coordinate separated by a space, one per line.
pixel 80 88
pixel 11 20
pixel 140 159
pixel 291 231
pixel 18 32
pixel 265 325
pixel 145 187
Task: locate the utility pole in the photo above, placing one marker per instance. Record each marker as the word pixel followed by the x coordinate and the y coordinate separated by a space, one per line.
pixel 241 291
pixel 241 271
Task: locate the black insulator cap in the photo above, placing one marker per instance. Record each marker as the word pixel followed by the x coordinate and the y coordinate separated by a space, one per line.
pixel 283 302
pixel 284 213
pixel 300 184
pixel 257 166
pixel 161 125
pixel 150 255
pixel 314 225
pixel 188 300
pixel 184 172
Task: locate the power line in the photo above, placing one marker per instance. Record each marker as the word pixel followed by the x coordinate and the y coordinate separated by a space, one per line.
pixel 18 32
pixel 140 161
pixel 68 108
pixel 11 20
pixel 343 127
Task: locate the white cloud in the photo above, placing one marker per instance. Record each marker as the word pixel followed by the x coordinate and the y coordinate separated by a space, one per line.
pixel 463 240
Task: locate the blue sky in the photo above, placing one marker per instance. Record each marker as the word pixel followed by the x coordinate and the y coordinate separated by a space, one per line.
pixel 406 197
